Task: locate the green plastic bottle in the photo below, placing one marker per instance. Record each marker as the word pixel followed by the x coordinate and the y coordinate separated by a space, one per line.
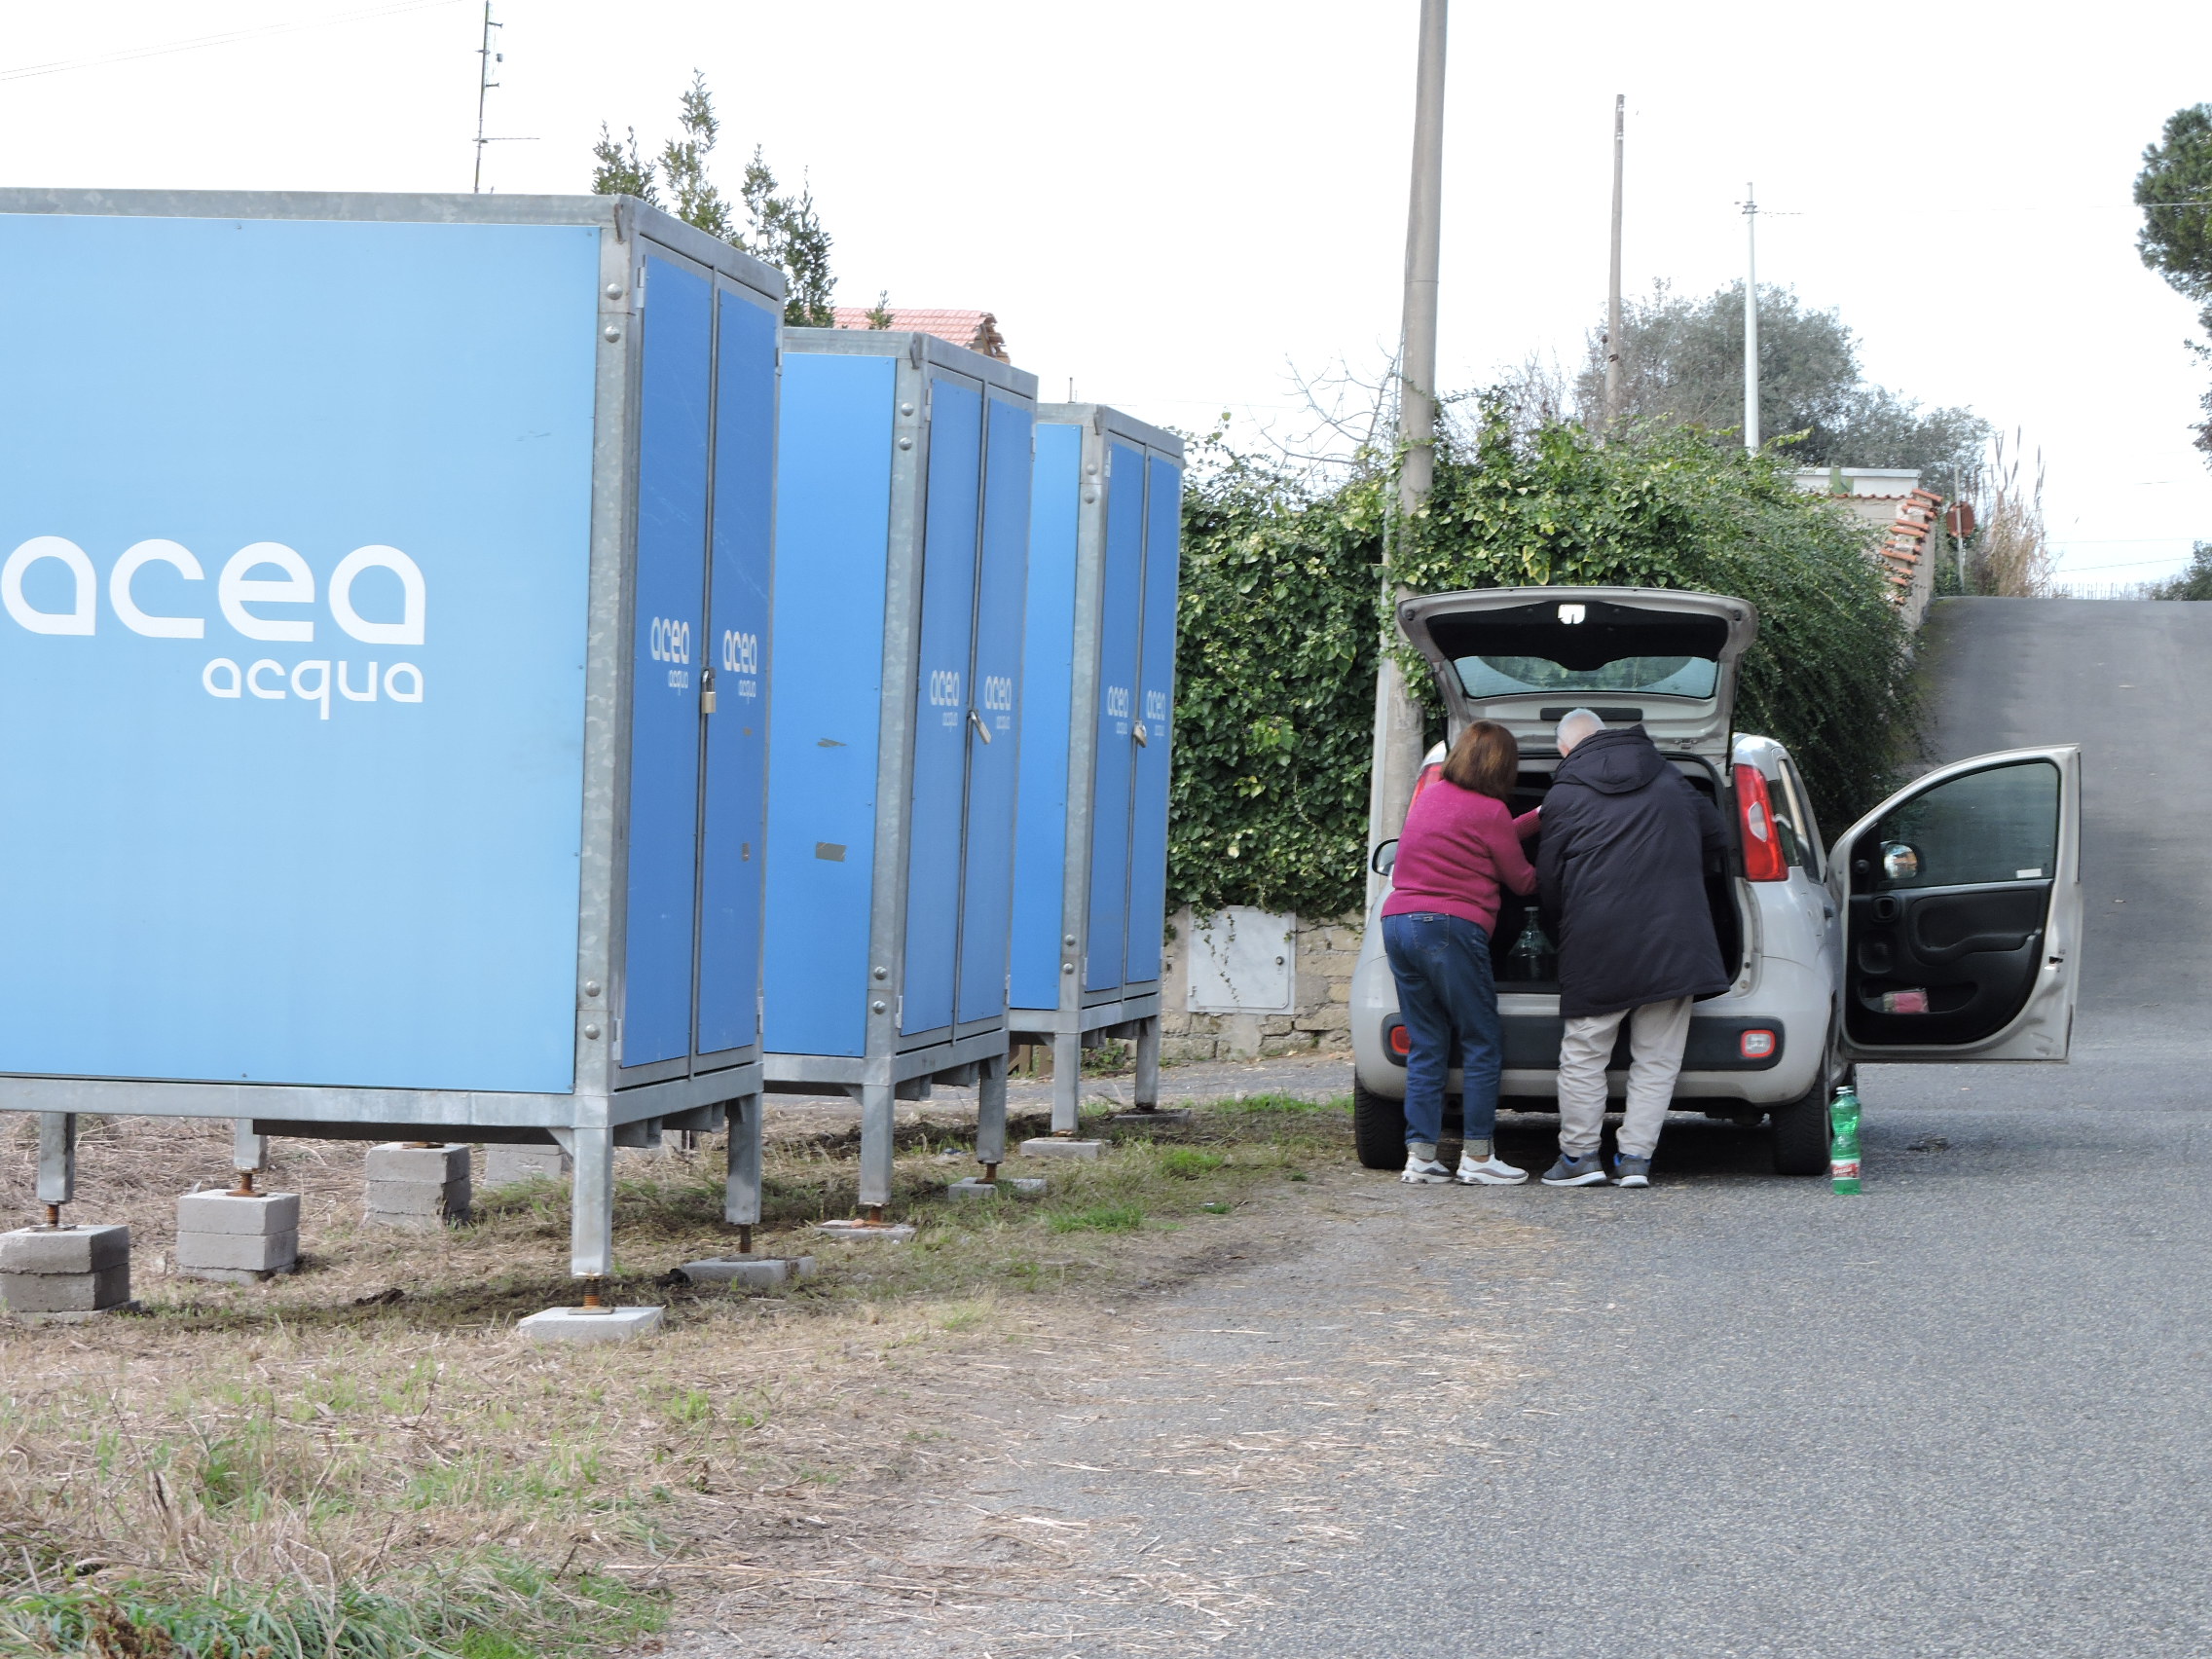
pixel 1843 1145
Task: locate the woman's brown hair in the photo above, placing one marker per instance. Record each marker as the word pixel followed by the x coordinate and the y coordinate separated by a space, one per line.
pixel 1485 759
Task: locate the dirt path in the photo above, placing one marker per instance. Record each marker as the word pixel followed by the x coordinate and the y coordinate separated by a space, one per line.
pixel 1165 1475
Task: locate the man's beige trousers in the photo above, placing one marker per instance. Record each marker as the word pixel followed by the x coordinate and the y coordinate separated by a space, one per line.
pixel 1656 1033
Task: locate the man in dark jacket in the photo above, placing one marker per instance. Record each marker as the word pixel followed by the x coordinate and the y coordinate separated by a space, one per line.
pixel 1621 872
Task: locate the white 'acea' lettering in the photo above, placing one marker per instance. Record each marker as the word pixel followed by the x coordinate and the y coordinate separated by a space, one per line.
pixel 238 589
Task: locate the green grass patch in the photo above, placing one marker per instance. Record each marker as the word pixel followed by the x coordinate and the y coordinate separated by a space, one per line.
pixel 504 1609
pixel 1190 1162
pixel 1098 1218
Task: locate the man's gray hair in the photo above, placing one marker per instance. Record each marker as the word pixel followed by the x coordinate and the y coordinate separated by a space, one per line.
pixel 1575 725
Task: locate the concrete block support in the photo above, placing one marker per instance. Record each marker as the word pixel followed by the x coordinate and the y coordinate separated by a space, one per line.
pixel 1053 1146
pixel 416 1186
pixel 504 1166
pixel 750 1273
pixel 66 1270
pixel 590 1325
pixel 237 1237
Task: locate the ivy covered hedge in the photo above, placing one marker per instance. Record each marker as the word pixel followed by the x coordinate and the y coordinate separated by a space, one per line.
pixel 1282 617
pixel 1275 688
pixel 1830 675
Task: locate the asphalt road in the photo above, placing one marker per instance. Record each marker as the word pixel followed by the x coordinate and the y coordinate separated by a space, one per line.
pixel 1964 1414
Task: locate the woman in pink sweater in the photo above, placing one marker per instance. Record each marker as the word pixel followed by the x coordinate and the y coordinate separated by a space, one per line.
pixel 1460 845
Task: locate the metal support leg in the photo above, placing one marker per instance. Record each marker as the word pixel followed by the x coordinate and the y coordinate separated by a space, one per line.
pixel 591 1205
pixel 249 1152
pixel 1067 1082
pixel 1147 1086
pixel 57 1163
pixel 741 1187
pixel 879 1125
pixel 990 1115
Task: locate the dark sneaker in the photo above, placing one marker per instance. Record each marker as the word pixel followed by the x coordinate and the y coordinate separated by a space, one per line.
pixel 1631 1171
pixel 1575 1172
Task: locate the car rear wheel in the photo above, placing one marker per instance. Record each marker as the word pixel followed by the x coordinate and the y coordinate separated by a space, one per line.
pixel 1378 1128
pixel 1801 1133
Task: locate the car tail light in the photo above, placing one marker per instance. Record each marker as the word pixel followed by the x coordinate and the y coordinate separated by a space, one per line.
pixel 1755 1044
pixel 1429 775
pixel 1401 1041
pixel 1762 841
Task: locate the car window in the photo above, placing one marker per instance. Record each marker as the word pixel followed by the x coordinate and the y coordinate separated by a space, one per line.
pixel 1796 808
pixel 1999 825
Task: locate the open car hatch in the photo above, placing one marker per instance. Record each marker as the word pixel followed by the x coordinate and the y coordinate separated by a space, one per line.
pixel 1525 657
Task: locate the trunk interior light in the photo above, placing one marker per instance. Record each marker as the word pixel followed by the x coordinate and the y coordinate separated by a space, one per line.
pixel 1401 1040
pixel 1762 847
pixel 1755 1044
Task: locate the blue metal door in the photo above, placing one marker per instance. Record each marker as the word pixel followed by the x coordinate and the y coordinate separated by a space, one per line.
pixel 835 426
pixel 941 704
pixel 1120 623
pixel 1156 704
pixel 676 341
pixel 994 731
pixel 734 661
pixel 1047 681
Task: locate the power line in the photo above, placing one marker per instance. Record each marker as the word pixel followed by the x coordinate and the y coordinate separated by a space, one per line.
pixel 201 43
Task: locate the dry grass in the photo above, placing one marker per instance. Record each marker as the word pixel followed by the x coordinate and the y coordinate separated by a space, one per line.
pixel 2013 550
pixel 374 1426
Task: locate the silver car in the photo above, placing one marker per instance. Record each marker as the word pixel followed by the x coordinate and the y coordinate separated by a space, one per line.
pixel 1944 926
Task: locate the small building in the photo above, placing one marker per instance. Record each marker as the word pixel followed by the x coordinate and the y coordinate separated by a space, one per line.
pixel 977 330
pixel 1910 518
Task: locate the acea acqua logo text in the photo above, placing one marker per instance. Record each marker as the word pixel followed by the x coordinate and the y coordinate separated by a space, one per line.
pixel 245 595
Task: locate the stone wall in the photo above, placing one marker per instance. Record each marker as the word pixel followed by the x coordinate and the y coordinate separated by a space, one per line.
pixel 1320 1018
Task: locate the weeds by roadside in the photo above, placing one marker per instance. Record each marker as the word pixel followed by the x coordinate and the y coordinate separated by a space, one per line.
pixel 365 1460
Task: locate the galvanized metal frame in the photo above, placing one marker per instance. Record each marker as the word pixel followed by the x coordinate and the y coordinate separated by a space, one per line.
pixel 1130 1010
pixel 589 1119
pixel 893 1066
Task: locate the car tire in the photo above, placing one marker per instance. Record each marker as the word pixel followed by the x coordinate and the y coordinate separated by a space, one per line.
pixel 1801 1133
pixel 1378 1128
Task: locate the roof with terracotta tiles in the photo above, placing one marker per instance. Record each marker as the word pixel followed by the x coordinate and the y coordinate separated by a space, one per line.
pixel 977 330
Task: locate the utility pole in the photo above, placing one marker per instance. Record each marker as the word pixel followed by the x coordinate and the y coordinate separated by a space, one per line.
pixel 1613 286
pixel 1397 718
pixel 484 85
pixel 1750 318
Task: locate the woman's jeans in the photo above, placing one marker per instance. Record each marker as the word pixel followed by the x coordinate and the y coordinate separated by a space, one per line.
pixel 1449 1001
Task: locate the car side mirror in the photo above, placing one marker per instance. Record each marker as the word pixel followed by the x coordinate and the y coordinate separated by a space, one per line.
pixel 1385 857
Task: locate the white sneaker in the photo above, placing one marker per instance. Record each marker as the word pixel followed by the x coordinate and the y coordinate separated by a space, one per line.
pixel 1423 1171
pixel 1491 1171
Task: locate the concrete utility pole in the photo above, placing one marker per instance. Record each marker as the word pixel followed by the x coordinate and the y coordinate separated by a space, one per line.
pixel 1751 319
pixel 1614 284
pixel 1397 718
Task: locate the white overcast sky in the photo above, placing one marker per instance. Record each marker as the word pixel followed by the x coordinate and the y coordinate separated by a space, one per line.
pixel 1175 202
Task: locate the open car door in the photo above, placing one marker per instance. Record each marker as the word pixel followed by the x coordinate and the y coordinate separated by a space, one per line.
pixel 1961 897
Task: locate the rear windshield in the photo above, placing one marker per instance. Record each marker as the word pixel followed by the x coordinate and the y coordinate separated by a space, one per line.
pixel 1658 676
pixel 1555 647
